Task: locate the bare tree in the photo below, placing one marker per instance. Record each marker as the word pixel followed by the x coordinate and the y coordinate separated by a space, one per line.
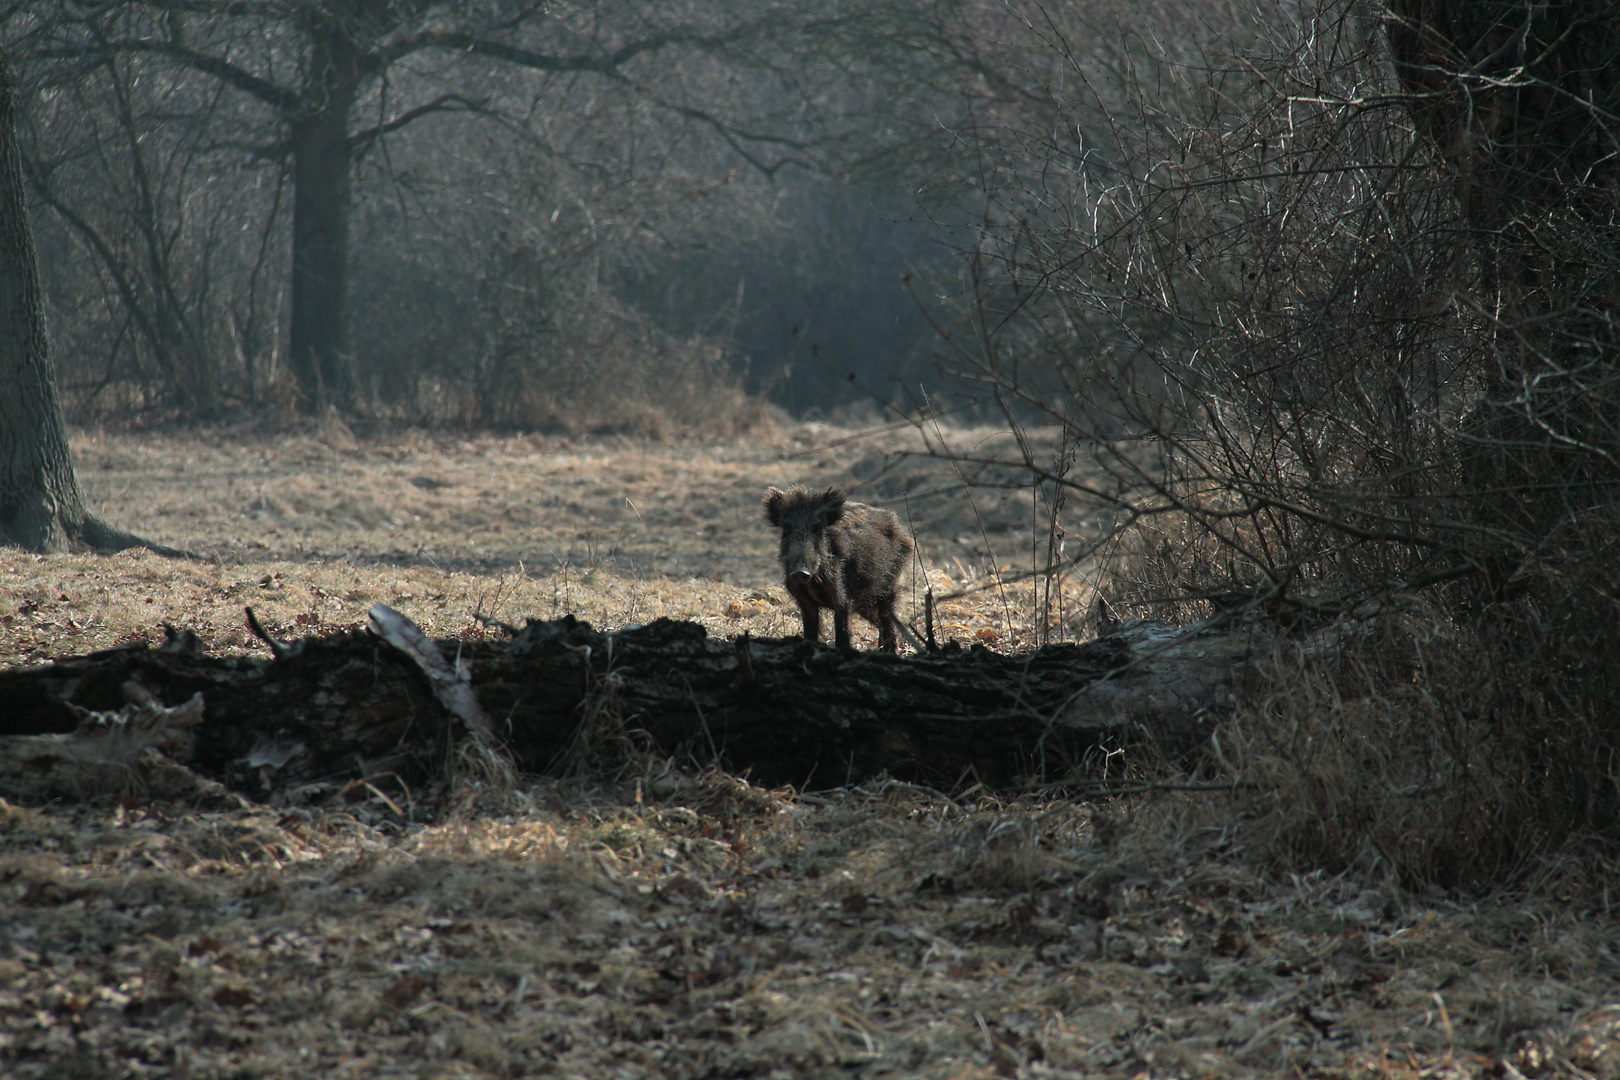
pixel 121 156
pixel 314 65
pixel 1523 102
pixel 41 508
pixel 511 241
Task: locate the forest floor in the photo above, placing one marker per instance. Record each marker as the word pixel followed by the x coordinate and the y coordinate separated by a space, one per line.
pixel 671 920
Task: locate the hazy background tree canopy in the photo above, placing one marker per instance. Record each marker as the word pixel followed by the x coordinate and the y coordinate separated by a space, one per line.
pixel 491 213
pixel 516 214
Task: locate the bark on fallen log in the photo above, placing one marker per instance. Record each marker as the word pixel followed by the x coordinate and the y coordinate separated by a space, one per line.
pixel 133 748
pixel 329 710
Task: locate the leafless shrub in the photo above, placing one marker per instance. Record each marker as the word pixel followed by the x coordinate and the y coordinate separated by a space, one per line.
pixel 1360 347
pixel 596 369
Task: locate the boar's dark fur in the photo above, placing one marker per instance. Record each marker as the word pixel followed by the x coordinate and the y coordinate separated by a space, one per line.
pixel 842 555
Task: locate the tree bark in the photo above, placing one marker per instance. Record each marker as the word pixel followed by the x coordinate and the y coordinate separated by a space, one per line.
pixel 563 697
pixel 41 508
pixel 319 336
pixel 1519 98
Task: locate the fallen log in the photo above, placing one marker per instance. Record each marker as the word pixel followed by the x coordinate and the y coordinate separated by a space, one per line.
pixel 325 712
pixel 297 725
pixel 115 751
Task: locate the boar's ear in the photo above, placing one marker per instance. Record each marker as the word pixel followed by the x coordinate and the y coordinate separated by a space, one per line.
pixel 774 498
pixel 832 505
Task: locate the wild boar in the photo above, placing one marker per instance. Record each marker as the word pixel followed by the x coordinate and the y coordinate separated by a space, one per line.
pixel 842 555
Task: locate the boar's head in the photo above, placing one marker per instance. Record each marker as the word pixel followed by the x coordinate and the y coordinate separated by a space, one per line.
pixel 805 517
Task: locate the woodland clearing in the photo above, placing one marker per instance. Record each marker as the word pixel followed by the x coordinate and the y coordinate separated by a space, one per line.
pixel 668 919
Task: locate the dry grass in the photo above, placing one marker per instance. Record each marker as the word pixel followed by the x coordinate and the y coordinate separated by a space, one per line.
pixel 1458 747
pixel 672 924
pixel 310 531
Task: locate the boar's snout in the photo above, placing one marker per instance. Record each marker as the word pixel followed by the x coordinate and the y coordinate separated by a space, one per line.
pixel 799 574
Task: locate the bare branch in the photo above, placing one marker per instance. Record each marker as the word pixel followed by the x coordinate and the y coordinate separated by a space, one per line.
pixel 277 97
pixel 602 64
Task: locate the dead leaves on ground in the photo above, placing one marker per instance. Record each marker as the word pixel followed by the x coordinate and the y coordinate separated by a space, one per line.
pixel 705 927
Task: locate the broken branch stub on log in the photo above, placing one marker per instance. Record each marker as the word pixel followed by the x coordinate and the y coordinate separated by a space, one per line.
pixel 784 711
pixel 452 685
pixel 107 753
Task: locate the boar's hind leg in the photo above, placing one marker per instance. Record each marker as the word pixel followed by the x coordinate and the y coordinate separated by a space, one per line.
pixel 887 640
pixel 841 627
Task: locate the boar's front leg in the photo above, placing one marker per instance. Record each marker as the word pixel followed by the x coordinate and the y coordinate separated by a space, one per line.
pixel 807 608
pixel 812 620
pixel 841 628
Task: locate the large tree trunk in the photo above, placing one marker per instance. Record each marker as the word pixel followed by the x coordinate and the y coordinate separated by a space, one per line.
pixel 41 508
pixel 321 359
pixel 1520 99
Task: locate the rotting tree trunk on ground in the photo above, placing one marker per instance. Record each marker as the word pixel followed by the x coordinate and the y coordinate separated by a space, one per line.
pixel 41 508
pixel 329 711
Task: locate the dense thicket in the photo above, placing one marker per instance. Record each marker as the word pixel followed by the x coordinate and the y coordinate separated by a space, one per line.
pixel 1336 307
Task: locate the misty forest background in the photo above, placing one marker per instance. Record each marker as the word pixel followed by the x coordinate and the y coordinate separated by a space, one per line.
pixel 1327 291
pixel 599 216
